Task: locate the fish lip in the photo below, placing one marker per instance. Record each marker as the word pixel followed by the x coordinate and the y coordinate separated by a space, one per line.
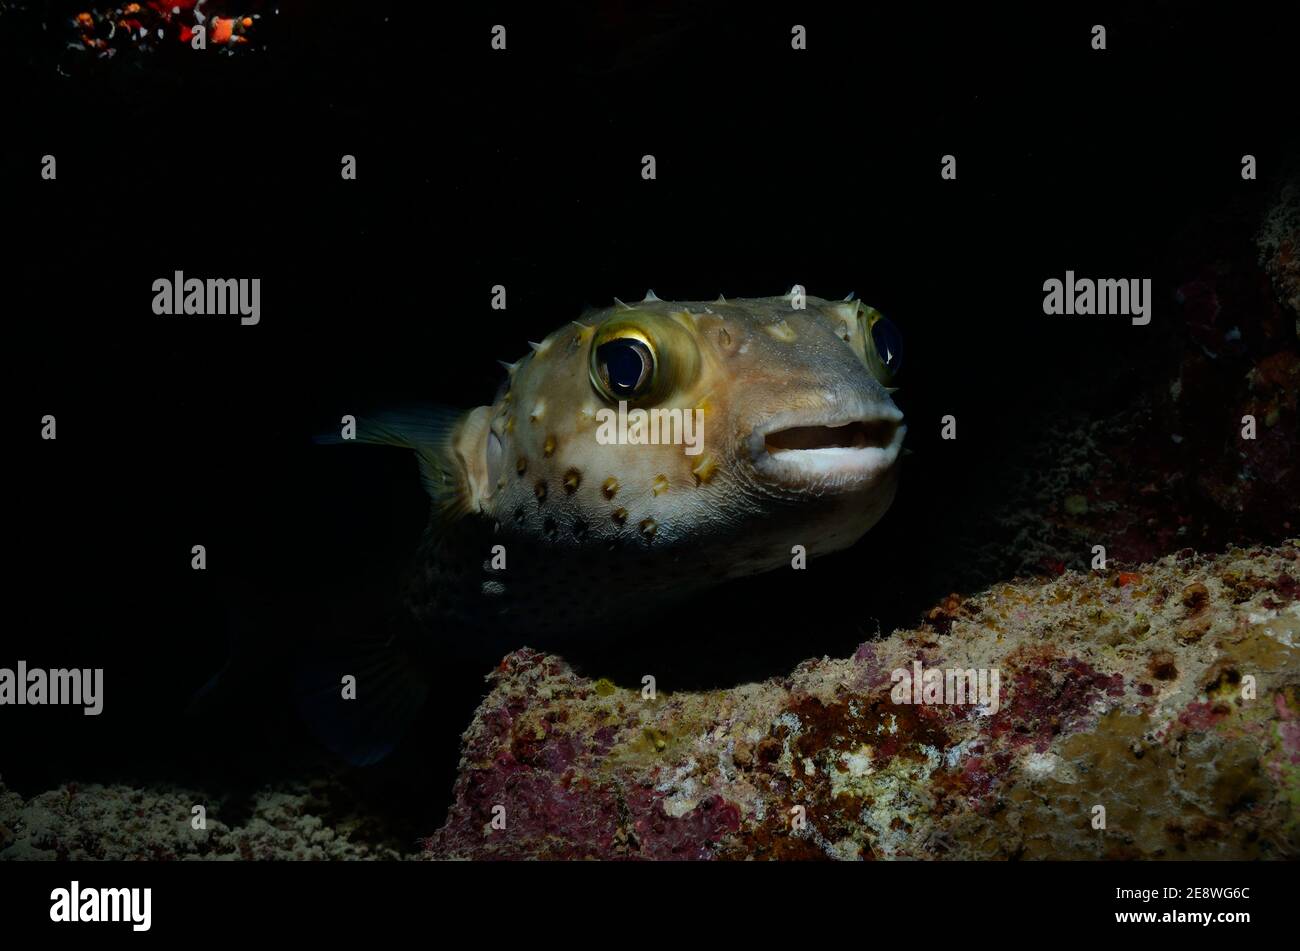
pixel 827 470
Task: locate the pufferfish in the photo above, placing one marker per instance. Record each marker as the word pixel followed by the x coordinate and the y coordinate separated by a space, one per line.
pixel 780 432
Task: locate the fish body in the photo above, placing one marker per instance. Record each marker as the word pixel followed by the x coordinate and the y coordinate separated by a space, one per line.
pixel 648 451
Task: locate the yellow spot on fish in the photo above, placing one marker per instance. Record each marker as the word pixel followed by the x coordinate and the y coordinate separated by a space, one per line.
pixel 510 424
pixel 572 479
pixel 610 487
pixel 521 466
pixel 648 528
pixel 660 485
pixel 538 411
pixel 548 449
pixel 620 516
pixel 704 470
pixel 541 491
pixel 781 331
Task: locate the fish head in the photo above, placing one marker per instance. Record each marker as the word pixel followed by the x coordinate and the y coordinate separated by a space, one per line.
pixel 730 430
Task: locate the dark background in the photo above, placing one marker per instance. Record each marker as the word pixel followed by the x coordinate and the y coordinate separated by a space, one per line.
pixel 523 168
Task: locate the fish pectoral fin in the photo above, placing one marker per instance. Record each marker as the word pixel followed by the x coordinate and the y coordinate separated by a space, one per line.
pixel 434 434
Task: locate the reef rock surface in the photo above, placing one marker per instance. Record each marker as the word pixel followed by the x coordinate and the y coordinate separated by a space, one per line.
pixel 119 822
pixel 1143 713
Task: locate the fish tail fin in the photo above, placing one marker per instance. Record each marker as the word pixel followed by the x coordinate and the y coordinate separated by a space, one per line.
pixel 240 605
pixel 359 698
pixel 360 687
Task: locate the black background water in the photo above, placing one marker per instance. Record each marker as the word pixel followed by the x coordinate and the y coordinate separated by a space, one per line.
pixel 523 168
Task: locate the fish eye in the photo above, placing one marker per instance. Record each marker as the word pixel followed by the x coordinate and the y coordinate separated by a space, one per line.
pixel 642 357
pixel 888 343
pixel 884 346
pixel 624 367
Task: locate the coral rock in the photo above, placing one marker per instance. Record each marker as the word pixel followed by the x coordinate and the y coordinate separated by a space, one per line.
pixel 1153 713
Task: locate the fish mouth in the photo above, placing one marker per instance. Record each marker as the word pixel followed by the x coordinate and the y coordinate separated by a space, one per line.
pixel 834 452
